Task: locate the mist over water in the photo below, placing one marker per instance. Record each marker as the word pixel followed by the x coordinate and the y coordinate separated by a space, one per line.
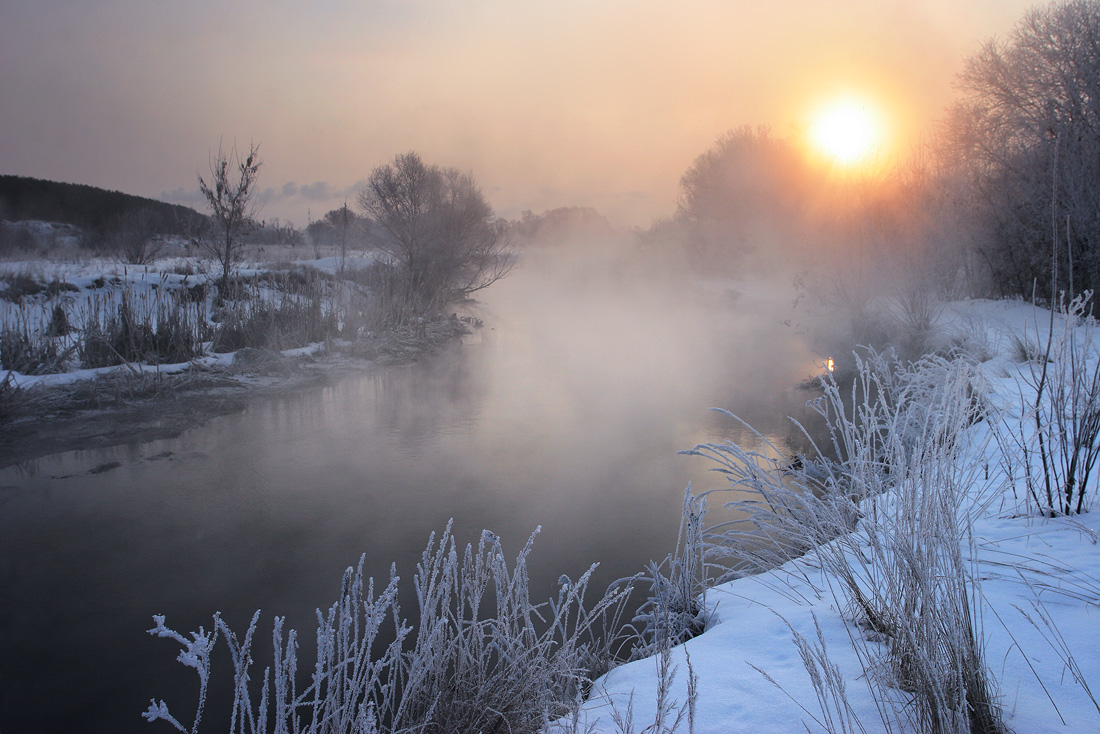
pixel 565 411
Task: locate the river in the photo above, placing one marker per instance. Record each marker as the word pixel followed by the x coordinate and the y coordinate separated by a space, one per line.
pixel 565 411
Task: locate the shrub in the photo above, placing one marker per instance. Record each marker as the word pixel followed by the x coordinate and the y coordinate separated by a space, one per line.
pixel 59 322
pixel 1058 437
pixel 29 353
pixel 18 286
pixel 57 287
pixel 163 332
pixel 435 225
pixel 134 236
pixel 276 326
pixel 393 302
pixel 301 279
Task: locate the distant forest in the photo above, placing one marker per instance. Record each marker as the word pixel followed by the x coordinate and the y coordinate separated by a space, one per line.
pixel 92 209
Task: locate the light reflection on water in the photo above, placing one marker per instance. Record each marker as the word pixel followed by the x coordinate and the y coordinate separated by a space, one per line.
pixel 565 411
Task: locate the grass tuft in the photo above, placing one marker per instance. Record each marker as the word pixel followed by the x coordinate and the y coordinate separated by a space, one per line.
pixel 900 480
pixel 482 658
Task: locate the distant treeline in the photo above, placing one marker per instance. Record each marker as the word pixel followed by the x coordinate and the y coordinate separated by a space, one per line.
pixel 562 226
pixel 92 209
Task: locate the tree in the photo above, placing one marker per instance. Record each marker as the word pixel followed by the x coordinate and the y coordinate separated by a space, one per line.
pixel 275 232
pixel 561 227
pixel 338 228
pixel 230 195
pixel 749 190
pixel 341 219
pixel 135 237
pixel 435 225
pixel 1027 135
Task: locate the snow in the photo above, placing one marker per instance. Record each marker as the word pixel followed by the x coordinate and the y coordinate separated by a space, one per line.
pixel 1028 567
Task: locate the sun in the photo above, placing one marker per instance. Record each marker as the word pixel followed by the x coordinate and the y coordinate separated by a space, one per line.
pixel 848 131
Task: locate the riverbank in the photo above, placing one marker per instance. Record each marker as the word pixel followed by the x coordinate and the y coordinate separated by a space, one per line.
pixel 120 406
pixel 98 354
pixel 788 649
pixel 93 409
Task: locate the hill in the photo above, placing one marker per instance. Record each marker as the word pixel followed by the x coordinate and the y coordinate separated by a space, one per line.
pixel 92 209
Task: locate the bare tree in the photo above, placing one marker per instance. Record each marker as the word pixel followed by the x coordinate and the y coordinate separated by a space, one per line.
pixel 230 195
pixel 1027 134
pixel 435 224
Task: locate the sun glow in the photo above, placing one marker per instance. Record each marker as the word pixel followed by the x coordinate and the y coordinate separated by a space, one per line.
pixel 848 131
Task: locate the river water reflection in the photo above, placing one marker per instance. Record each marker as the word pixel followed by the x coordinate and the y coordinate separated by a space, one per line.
pixel 564 411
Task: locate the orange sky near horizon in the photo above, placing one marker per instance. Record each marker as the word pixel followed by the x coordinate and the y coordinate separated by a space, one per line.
pixel 548 104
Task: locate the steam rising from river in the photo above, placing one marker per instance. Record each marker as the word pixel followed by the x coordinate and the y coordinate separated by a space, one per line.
pixel 565 410
pixel 608 338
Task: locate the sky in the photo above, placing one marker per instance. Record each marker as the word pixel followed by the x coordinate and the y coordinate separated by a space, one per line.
pixel 549 103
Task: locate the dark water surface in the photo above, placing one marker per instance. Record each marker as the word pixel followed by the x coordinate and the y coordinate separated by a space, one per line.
pixel 566 411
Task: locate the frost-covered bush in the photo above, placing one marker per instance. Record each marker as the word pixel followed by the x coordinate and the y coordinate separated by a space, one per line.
pixel 1056 441
pixel 887 518
pixel 482 657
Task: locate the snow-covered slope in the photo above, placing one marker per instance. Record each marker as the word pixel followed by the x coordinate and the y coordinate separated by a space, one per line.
pixel 1037 583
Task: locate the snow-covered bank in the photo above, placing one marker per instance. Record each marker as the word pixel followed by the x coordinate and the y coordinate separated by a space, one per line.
pixel 1035 589
pixel 96 352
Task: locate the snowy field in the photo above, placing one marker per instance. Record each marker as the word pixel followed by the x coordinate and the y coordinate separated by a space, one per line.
pixel 1033 581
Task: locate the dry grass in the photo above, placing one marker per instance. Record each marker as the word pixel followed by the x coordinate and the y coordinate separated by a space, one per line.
pixel 900 481
pixel 482 657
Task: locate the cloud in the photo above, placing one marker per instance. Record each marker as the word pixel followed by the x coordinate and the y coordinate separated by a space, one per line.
pixel 181 195
pixel 266 195
pixel 353 190
pixel 318 191
pixel 321 191
pixel 289 201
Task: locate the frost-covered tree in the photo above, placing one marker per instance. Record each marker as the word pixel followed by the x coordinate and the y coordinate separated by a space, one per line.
pixel 231 197
pixel 436 226
pixel 1027 134
pixel 746 192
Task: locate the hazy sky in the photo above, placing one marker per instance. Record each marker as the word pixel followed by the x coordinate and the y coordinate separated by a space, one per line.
pixel 549 103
